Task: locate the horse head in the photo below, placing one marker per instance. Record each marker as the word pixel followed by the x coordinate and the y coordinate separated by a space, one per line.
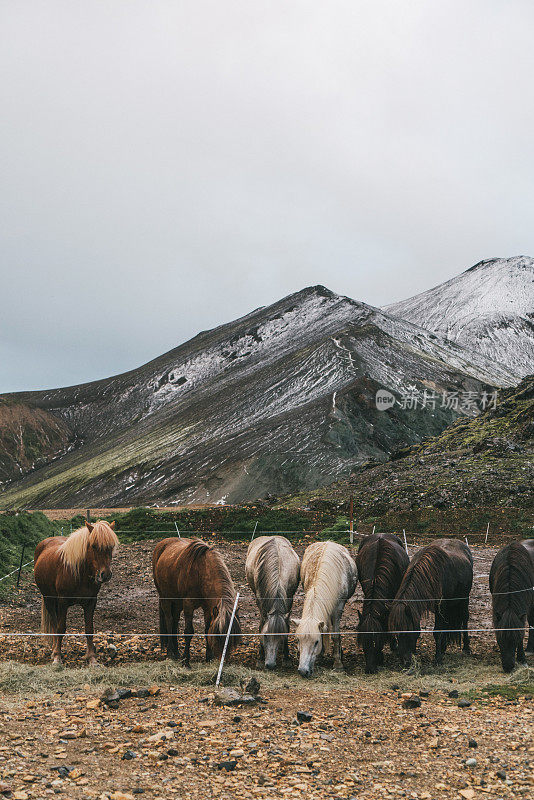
pixel 509 634
pixel 310 641
pixel 101 544
pixel 405 625
pixel 371 638
pixel 221 615
pixel 274 632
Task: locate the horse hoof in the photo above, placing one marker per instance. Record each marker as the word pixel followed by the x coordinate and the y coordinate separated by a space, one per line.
pixel 338 668
pixel 92 662
pixel 260 664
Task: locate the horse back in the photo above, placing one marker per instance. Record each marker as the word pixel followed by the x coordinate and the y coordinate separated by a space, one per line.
pixel 175 567
pixel 511 571
pixel 381 561
pixel 49 570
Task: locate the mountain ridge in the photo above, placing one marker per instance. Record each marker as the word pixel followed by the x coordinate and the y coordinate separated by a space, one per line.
pixel 217 416
pixel 489 308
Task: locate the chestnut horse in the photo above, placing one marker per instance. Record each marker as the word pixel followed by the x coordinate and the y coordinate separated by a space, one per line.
pixel 69 571
pixel 189 574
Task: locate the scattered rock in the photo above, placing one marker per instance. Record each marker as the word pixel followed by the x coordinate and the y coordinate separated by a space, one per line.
pixel 413 701
pixel 303 716
pixel 501 774
pixel 252 687
pixel 473 743
pixel 129 755
pixel 463 703
pixel 471 762
pixel 229 766
pixel 231 697
pixel 453 693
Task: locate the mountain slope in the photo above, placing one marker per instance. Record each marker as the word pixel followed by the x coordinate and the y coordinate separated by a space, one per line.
pixel 483 462
pixel 489 308
pixel 280 399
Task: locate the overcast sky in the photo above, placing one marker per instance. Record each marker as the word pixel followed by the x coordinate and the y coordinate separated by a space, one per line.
pixel 169 166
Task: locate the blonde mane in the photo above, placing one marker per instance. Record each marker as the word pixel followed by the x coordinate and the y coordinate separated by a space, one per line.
pixel 324 570
pixel 74 550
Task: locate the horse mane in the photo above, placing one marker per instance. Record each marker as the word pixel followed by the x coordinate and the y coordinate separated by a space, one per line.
pixel 272 598
pixel 378 569
pixel 420 589
pixel 380 574
pixel 511 573
pixel 73 550
pixel 325 564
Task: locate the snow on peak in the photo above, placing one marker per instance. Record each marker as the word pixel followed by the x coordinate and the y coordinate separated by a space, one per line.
pixel 489 308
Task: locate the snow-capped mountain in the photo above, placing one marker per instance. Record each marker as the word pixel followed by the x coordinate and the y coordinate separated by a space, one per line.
pixel 489 308
pixel 279 400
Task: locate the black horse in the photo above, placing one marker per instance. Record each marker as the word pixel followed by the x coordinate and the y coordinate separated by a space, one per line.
pixel 511 584
pixel 381 563
pixel 438 581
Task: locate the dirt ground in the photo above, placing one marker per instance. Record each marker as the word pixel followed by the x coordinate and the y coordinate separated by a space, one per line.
pixel 58 738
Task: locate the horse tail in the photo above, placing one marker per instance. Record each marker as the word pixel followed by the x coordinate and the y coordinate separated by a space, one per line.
pixel 48 618
pixel 221 625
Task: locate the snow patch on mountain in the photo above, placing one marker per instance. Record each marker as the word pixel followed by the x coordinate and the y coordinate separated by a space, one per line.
pixel 489 309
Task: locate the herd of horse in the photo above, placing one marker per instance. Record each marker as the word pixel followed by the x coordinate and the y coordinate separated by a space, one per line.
pixel 190 574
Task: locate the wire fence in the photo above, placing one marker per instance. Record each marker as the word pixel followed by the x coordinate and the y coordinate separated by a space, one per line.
pixel 144 635
pixel 472 631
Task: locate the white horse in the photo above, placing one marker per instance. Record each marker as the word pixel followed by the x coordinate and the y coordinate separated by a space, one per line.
pixel 329 577
pixel 273 571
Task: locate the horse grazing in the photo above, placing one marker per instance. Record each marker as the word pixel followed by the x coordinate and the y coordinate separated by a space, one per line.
pixel 273 572
pixel 69 571
pixel 438 580
pixel 189 574
pixel 511 582
pixel 329 578
pixel 381 563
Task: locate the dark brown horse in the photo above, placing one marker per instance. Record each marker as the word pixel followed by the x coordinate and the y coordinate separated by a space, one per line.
pixel 69 571
pixel 381 562
pixel 511 582
pixel 438 581
pixel 190 574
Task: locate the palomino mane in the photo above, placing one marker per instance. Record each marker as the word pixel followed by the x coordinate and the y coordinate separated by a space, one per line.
pixel 73 551
pixel 326 568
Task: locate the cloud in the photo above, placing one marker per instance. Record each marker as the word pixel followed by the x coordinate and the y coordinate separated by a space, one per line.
pixel 170 166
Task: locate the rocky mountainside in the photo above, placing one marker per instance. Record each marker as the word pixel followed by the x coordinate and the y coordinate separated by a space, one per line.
pixel 281 399
pixel 483 462
pixel 489 308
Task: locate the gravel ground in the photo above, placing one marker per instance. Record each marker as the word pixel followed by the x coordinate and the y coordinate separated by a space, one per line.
pixel 58 739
